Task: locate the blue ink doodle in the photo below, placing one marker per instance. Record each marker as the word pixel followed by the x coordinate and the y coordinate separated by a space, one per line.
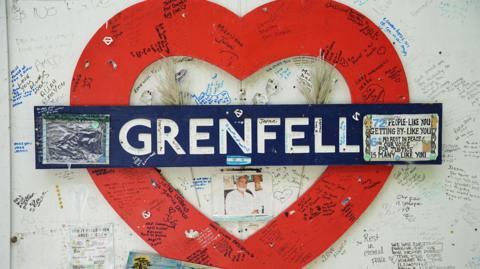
pixel 20 84
pixel 283 72
pixel 211 96
pixel 19 147
pixel 360 2
pixel 199 183
pixel 387 26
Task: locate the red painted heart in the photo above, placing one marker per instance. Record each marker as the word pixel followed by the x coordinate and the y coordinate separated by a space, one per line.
pixel 153 29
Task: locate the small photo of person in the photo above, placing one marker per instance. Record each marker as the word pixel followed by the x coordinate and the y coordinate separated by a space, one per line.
pixel 245 195
pixel 240 201
pixel 242 197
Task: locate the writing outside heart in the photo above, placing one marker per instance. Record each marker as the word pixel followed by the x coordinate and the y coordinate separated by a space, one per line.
pixel 147 32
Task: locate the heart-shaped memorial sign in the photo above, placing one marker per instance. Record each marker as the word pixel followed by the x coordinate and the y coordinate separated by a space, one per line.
pixel 148 31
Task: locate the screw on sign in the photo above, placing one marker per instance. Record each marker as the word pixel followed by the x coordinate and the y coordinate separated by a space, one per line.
pixel 285 242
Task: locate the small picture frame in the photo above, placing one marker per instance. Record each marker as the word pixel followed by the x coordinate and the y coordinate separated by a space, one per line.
pixel 242 196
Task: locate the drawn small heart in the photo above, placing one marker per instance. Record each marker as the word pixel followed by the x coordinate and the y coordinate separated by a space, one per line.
pixel 150 30
pixel 282 196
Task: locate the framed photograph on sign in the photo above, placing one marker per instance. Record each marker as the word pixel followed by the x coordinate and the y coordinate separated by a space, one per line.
pixel 242 196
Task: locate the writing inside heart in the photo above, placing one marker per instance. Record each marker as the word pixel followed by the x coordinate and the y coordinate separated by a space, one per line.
pixel 151 30
pixel 287 81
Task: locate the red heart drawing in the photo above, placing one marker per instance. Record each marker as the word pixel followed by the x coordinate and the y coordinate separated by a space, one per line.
pixel 150 30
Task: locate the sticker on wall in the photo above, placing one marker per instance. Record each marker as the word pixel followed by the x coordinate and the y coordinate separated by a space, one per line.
pixel 151 30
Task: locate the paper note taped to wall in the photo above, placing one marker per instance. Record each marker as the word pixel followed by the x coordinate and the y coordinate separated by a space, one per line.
pixel 91 246
pixel 406 137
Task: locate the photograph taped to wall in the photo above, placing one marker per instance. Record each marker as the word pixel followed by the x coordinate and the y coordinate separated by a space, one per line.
pixel 75 139
pixel 242 196
pixel 138 260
